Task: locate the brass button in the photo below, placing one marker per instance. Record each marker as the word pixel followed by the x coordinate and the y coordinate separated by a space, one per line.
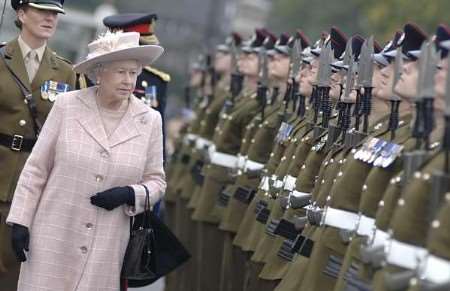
pixel 84 250
pixel 98 178
pixel 89 225
pixel 22 122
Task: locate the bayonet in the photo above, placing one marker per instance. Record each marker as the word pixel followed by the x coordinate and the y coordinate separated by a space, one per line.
pixel 415 158
pixel 366 81
pixel 296 58
pixel 346 99
pixel 395 99
pixel 263 79
pixel 237 79
pixel 357 112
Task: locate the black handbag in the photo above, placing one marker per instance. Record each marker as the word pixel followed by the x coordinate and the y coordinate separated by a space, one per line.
pixel 153 250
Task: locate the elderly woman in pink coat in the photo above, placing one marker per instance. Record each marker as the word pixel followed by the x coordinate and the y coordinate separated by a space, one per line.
pixel 86 174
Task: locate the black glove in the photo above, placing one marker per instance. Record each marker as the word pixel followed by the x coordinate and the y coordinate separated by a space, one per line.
pixel 114 197
pixel 20 241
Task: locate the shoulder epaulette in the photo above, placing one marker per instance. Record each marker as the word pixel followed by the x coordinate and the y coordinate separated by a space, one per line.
pixel 164 76
pixel 61 58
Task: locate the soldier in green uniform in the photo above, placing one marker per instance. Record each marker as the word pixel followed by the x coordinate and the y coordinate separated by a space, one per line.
pixel 27 66
pixel 212 118
pixel 340 212
pixel 255 150
pixel 219 172
pixel 424 192
pixel 323 182
pixel 373 193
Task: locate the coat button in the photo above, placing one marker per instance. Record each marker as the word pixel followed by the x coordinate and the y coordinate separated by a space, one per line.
pixel 143 120
pixel 83 250
pixel 22 122
pixel 104 154
pixel 98 178
pixel 89 225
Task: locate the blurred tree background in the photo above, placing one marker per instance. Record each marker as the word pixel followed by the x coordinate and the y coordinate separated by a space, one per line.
pixel 366 17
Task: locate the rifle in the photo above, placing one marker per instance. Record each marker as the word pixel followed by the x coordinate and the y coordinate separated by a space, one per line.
pixel 322 98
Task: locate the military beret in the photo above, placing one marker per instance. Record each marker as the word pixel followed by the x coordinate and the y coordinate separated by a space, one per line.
pixel 234 38
pixel 338 41
pixel 303 38
pixel 256 41
pixel 382 57
pixel 442 35
pixel 411 40
pixel 281 46
pixel 53 5
pixel 376 47
pixel 357 42
pixel 269 43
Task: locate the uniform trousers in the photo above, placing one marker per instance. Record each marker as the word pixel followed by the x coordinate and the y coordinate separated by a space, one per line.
pixel 9 267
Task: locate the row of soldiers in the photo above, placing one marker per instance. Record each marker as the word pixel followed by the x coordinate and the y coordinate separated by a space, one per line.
pixel 316 166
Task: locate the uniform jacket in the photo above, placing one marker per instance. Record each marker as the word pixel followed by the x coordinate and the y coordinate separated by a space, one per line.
pixel 15 118
pixel 75 245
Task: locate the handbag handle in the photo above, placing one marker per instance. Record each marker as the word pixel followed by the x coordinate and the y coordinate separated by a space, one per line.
pixel 146 203
pixel 147 211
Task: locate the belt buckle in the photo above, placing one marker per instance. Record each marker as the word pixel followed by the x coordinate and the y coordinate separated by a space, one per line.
pixel 16 144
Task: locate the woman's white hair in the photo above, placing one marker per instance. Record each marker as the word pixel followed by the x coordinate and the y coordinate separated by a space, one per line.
pixel 97 69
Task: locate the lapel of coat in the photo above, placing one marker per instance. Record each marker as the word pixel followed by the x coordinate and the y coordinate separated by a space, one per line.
pixel 127 128
pixel 14 59
pixel 89 117
pixel 47 69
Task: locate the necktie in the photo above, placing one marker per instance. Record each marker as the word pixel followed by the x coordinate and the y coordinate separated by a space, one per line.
pixel 32 64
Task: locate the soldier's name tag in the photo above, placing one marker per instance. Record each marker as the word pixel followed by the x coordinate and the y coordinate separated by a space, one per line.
pixel 50 90
pixel 151 96
pixel 284 132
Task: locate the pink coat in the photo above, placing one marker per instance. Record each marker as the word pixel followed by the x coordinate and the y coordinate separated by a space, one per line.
pixel 75 245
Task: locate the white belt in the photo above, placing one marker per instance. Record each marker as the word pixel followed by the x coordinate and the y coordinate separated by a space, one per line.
pixel 264 185
pixel 224 160
pixel 296 193
pixel 366 226
pixel 340 218
pixel 252 166
pixel 289 183
pixel 201 143
pixel 436 269
pixel 379 238
pixel 404 255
